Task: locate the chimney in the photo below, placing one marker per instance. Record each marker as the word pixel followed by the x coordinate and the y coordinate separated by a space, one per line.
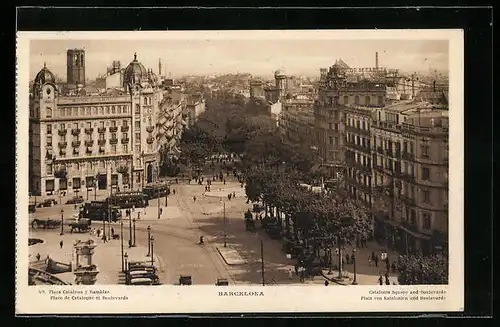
pixel 376 60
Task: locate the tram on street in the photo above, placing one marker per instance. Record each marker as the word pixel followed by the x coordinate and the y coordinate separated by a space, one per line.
pixel 126 200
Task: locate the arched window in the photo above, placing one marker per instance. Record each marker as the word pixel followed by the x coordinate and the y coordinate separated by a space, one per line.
pixel 48 112
pixel 346 99
pixel 137 109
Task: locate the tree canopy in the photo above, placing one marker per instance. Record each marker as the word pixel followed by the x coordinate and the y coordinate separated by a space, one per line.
pixel 417 269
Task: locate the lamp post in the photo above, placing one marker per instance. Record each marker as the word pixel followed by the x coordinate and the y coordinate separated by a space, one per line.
pixel 121 238
pixel 62 222
pixel 262 261
pixel 103 225
pixel 133 244
pixel 158 194
pixel 354 282
pixel 125 256
pixel 152 250
pixel 167 191
pixel 129 228
pixel 224 217
pixel 149 241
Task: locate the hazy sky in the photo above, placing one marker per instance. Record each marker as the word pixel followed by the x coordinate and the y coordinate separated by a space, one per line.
pixel 258 57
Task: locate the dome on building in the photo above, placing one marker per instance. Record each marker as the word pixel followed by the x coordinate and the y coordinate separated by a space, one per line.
pixel 134 73
pixel 44 76
pixel 280 73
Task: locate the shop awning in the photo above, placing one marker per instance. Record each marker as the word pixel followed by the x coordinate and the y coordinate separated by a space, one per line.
pixel 414 233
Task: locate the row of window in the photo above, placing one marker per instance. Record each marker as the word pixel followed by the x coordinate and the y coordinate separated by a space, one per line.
pixel 78 182
pixel 88 111
pixel 359 124
pixel 88 125
pixel 367 100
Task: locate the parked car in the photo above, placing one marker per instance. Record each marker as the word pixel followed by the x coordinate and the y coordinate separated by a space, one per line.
pixel 47 203
pixel 76 200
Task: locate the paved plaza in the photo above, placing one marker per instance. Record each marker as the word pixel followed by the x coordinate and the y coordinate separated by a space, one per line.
pixel 177 228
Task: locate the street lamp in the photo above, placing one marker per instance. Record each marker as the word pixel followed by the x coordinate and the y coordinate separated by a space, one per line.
pixel 224 204
pixel 129 229
pixel 152 250
pixel 133 244
pixel 62 222
pixel 96 185
pixel 158 194
pixel 354 282
pixel 125 256
pixel 121 238
pixel 149 241
pixel 103 225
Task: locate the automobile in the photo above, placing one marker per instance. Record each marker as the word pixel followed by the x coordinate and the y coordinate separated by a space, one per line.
pixel 47 203
pixel 75 200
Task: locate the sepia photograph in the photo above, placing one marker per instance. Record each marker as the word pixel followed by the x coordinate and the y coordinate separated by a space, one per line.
pixel 251 160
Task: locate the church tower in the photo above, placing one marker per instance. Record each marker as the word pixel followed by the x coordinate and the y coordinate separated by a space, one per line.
pixel 76 66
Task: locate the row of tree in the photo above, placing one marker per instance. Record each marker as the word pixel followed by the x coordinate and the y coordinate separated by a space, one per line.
pixel 274 170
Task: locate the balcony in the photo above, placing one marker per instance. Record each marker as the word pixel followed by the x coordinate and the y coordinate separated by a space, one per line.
pixel 389 153
pixel 407 156
pixel 411 226
pixel 101 142
pixel 76 131
pixel 89 142
pixel 62 132
pixel 407 177
pixel 150 129
pixel 408 200
pixel 113 129
pixel 101 130
pixel 125 141
pixel 63 144
pixel 89 130
pixel 379 169
pixel 89 150
pixel 113 141
pixel 150 140
pixel 76 144
pixel 380 150
pixel 124 128
pixel 358 147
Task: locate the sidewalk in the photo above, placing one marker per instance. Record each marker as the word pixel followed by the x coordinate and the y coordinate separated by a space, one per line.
pixel 107 256
pixel 230 255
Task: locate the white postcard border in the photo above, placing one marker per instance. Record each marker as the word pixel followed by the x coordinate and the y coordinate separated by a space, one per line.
pixel 204 299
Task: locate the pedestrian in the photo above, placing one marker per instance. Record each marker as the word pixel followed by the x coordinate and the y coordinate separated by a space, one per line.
pixel 224 181
pixel 369 261
pixel 194 198
pixel 381 280
pixel 347 257
pixel 296 269
pixel 173 191
pixel 61 244
pixel 290 274
pixel 326 282
pixel 133 208
pixel 112 231
pixel 387 264
pixel 376 261
pixel 234 194
pixel 393 267
pixel 138 215
pixel 98 232
pixel 161 211
pixel 176 181
pixel 38 257
pixel 373 255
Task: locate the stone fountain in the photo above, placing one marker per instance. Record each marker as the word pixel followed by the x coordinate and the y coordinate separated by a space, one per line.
pixel 85 271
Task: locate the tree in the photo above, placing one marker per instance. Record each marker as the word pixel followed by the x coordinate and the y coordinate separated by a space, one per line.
pixel 417 269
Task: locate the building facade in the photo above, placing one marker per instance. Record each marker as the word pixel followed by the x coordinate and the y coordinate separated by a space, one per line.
pixel 195 106
pixel 86 142
pixel 411 178
pixel 297 120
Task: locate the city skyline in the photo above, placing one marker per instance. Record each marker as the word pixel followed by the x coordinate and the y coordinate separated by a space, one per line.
pixel 209 57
